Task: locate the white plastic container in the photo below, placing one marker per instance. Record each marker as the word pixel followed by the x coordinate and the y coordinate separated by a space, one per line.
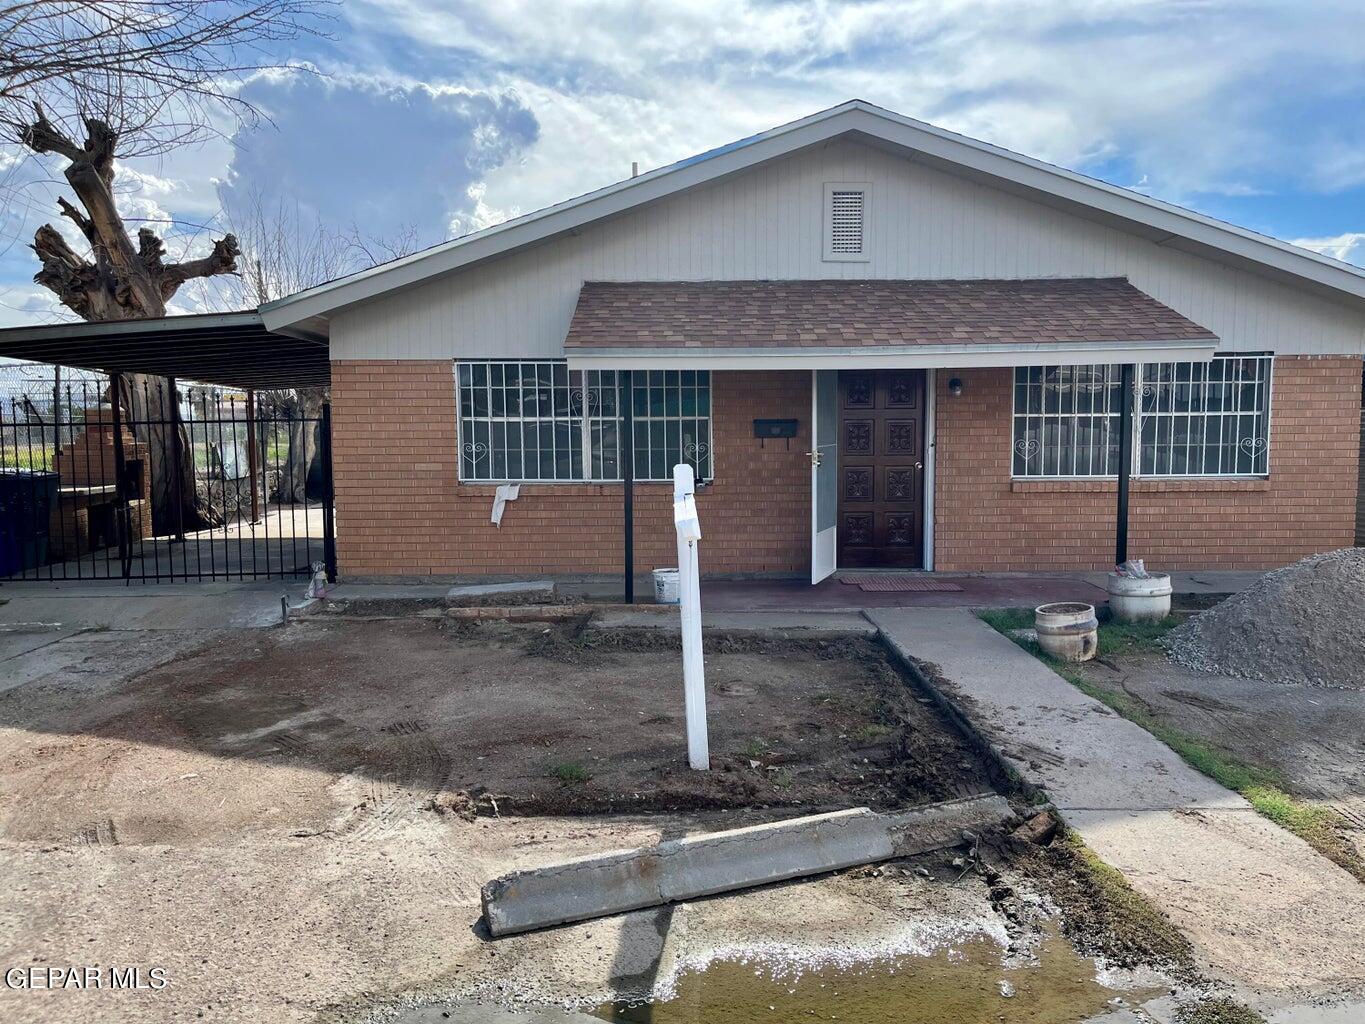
pixel 666 586
pixel 1135 599
pixel 1067 630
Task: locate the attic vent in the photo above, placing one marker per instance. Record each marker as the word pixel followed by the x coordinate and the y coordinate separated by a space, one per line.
pixel 845 221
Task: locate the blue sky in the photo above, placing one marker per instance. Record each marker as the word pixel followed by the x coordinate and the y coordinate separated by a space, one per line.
pixel 440 116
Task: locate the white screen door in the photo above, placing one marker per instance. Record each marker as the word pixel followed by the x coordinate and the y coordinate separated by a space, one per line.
pixel 824 470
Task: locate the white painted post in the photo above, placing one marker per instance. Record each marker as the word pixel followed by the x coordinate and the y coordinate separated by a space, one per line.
pixel 688 528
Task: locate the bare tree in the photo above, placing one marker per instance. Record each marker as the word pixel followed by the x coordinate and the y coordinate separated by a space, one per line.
pixel 155 71
pixel 285 249
pixel 134 77
pixel 119 280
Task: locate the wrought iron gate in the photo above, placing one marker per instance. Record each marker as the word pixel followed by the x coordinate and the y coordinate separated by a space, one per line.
pixel 174 483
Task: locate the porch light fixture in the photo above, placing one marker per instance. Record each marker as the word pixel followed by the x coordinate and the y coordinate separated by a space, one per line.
pixel 955 386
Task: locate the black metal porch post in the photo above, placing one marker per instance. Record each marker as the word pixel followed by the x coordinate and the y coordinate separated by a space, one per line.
pixel 329 539
pixel 625 400
pixel 1125 463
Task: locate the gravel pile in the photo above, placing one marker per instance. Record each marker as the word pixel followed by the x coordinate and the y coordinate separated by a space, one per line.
pixel 1304 623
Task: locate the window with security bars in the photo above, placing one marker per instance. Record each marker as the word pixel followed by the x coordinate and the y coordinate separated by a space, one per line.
pixel 1190 419
pixel 542 422
pixel 1066 421
pixel 1205 419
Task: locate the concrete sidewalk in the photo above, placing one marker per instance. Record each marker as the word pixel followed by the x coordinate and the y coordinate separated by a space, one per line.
pixel 1265 911
pixel 114 605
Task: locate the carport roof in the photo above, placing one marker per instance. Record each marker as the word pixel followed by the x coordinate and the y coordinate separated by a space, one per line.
pixel 231 349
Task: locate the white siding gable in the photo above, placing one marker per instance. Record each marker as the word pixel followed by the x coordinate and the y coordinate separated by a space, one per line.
pixel 772 223
pixel 846 227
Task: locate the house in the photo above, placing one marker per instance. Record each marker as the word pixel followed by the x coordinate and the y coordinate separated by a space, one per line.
pixel 877 342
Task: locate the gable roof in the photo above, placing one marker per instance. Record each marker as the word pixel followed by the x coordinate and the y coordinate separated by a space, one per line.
pixel 1163 223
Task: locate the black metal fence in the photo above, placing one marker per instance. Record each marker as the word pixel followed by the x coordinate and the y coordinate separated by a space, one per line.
pixel 171 483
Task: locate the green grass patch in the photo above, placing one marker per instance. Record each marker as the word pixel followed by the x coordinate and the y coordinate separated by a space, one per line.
pixel 756 749
pixel 1320 827
pixel 1116 638
pixel 570 773
pixel 872 732
pixel 37 459
pixel 1102 914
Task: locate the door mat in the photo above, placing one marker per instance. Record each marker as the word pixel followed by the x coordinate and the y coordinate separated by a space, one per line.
pixel 887 584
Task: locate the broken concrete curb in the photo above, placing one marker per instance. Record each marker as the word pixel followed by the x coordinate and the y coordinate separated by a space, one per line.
pixel 520 592
pixel 703 865
pixel 521 612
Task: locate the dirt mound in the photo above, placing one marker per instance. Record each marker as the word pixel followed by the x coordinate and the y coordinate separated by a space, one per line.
pixel 1304 623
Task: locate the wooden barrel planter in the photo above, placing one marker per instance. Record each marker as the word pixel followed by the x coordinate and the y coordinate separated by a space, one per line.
pixel 1067 630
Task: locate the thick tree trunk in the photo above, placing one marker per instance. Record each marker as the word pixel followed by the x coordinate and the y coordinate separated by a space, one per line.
pixel 305 447
pixel 151 409
pixel 123 281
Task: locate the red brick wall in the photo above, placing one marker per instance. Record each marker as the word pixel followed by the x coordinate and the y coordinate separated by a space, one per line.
pixel 401 510
pixel 986 522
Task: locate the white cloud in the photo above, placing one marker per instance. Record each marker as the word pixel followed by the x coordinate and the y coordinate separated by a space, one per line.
pixel 29 304
pixel 452 115
pixel 1192 95
pixel 375 153
pixel 480 215
pixel 1348 247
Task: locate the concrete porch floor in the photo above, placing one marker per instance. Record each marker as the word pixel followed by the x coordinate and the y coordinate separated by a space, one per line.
pixel 114 604
pixel 979 590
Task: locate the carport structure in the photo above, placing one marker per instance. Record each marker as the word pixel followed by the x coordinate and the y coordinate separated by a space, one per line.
pixel 96 490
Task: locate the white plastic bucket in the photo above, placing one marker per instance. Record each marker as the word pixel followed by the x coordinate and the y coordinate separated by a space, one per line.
pixel 1137 599
pixel 1067 630
pixel 666 587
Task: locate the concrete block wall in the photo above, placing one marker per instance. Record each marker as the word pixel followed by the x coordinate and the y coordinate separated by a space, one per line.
pixel 401 510
pixel 985 521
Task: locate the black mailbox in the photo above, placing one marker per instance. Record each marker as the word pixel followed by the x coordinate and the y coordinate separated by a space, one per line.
pixel 775 428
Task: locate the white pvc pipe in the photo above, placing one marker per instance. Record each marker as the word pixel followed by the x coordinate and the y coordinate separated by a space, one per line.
pixel 688 528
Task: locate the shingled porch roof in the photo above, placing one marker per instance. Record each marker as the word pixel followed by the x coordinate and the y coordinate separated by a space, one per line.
pixel 862 323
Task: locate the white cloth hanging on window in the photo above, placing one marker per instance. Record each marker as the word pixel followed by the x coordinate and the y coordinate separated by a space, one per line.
pixel 504 494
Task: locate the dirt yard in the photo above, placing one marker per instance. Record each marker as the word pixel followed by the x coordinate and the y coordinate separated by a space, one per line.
pixel 296 821
pixel 483 719
pixel 1307 740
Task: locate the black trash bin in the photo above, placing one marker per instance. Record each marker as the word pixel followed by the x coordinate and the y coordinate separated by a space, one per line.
pixel 26 499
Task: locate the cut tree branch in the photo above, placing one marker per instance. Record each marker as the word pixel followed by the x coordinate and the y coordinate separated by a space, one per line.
pixel 75 281
pixel 223 260
pixel 79 219
pixel 42 136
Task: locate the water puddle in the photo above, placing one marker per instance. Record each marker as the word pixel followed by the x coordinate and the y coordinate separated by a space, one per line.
pixel 963 985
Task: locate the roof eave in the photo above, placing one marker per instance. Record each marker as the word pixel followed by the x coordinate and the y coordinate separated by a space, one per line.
pixel 231 349
pixel 123 328
pixel 965 355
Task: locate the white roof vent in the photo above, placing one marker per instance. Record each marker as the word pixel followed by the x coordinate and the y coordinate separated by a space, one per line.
pixel 846 225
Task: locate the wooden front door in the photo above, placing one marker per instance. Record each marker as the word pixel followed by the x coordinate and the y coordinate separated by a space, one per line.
pixel 881 468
